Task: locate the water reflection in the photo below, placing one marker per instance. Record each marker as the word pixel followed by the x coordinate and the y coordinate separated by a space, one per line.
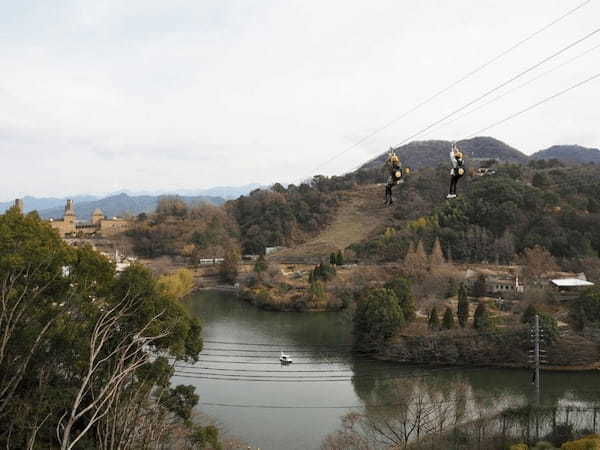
pixel 325 378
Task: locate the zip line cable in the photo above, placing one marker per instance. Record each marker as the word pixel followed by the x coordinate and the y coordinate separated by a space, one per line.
pixel 456 82
pixel 535 105
pixel 500 86
pixel 520 86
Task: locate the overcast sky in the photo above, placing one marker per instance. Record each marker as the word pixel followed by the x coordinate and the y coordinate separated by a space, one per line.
pixel 98 96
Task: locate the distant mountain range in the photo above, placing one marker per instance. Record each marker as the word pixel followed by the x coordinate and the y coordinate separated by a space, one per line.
pixel 132 203
pixel 570 154
pixel 419 154
pixel 226 192
pixel 38 204
pixel 122 204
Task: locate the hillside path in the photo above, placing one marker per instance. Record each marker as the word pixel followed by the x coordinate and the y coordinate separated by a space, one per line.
pixel 360 213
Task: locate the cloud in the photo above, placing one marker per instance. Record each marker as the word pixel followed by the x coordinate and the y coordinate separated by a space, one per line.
pixel 190 94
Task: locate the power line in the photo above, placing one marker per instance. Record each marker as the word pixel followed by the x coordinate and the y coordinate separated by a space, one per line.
pixel 535 105
pixel 384 405
pixel 298 379
pixel 520 86
pixel 265 344
pixel 270 351
pixel 500 86
pixel 457 82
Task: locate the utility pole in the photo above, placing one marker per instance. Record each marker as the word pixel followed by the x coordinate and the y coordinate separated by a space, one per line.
pixel 536 356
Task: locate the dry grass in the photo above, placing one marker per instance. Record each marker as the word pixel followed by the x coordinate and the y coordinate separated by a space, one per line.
pixel 360 213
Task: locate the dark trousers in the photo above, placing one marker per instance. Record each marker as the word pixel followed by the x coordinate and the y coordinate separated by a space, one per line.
pixel 453 180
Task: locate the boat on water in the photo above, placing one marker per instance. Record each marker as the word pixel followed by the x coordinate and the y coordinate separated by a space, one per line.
pixel 285 359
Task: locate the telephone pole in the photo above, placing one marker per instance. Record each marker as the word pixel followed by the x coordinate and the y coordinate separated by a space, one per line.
pixel 536 356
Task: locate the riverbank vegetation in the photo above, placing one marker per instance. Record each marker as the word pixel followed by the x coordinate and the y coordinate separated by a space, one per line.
pixel 86 355
pixel 435 412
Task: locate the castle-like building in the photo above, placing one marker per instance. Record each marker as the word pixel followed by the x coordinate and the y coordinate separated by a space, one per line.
pixel 69 226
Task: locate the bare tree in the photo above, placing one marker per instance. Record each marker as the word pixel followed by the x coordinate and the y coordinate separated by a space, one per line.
pixel 110 365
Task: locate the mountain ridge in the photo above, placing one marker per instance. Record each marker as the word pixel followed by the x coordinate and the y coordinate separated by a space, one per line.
pixel 123 204
pixel 569 153
pixel 432 153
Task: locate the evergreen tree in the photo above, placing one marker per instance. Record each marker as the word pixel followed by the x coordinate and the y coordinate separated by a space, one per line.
pixel 529 314
pixel 481 318
pixel 451 290
pixel 463 306
pixel 317 291
pixel 434 320
pixel 332 259
pixel 260 266
pixel 339 258
pixel 377 317
pixel 479 287
pixel 448 319
pixel 401 287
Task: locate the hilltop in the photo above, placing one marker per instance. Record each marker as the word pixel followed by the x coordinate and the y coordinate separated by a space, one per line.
pixel 569 154
pixel 420 154
pixel 123 204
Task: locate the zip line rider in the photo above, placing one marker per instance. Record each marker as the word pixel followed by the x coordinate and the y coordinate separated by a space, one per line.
pixel 457 170
pixel 395 175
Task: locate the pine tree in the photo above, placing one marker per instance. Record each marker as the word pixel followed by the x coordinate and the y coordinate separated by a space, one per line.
pixel 339 258
pixel 451 290
pixel 529 314
pixel 463 306
pixel 481 319
pixel 437 256
pixel 448 319
pixel 260 266
pixel 479 287
pixel 434 320
pixel 403 291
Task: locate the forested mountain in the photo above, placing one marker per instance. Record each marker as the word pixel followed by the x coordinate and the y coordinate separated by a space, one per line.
pixel 420 154
pixel 569 154
pixel 495 217
pixel 542 203
pixel 122 204
pixel 38 204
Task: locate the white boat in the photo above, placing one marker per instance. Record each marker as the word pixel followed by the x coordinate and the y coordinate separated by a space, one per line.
pixel 285 359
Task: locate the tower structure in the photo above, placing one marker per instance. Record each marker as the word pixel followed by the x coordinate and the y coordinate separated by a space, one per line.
pixel 19 205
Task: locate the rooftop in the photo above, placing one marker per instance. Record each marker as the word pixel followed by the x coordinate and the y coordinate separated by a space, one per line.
pixel 571 282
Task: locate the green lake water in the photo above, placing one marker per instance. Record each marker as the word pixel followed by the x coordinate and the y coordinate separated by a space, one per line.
pixel 246 390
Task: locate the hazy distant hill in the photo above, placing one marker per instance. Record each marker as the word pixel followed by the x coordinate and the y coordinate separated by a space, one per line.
pixel 228 192
pixel 419 154
pixel 34 203
pixel 225 192
pixel 570 154
pixel 119 205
